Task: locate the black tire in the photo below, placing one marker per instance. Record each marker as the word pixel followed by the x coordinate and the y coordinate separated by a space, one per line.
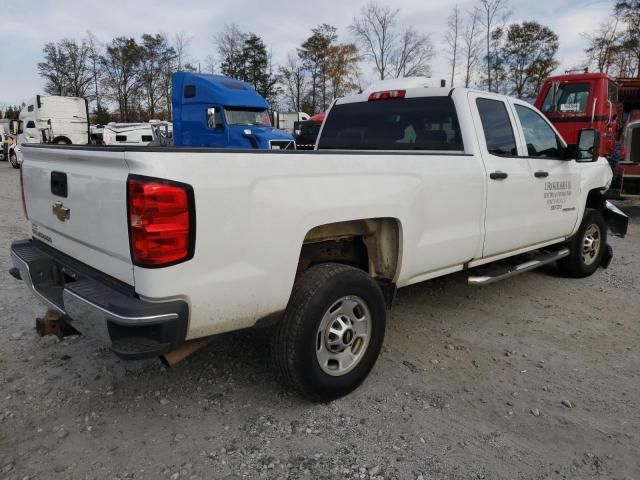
pixel 13 159
pixel 574 265
pixel 296 337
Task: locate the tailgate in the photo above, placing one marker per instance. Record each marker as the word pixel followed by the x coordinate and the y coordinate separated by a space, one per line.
pixel 76 200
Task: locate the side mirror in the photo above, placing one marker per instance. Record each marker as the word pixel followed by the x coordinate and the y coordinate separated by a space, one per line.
pixel 212 118
pixel 588 145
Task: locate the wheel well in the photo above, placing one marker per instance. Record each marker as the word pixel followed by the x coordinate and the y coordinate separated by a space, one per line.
pixel 61 139
pixel 595 199
pixel 372 245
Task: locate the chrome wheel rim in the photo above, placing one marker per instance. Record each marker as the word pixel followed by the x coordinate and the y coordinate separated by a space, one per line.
pixel 591 243
pixel 343 336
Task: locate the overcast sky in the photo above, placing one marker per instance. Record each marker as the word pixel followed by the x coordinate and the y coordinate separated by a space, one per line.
pixel 26 25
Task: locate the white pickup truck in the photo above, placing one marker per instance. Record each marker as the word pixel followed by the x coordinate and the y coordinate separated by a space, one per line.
pixel 152 248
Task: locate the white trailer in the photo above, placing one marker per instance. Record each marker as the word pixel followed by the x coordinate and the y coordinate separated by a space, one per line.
pixel 131 133
pixel 286 120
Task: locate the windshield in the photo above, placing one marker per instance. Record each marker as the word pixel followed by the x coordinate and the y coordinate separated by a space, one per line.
pixel 570 98
pixel 247 116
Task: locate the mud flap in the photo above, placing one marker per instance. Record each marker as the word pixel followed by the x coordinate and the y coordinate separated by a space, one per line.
pixel 607 256
pixel 617 221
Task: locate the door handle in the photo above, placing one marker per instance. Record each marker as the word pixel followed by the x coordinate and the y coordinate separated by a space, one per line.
pixel 541 174
pixel 498 175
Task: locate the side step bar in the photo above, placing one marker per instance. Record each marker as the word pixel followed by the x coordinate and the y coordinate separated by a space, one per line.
pixel 500 272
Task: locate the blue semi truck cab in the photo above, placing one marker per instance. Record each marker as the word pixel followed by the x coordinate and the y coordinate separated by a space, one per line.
pixel 220 112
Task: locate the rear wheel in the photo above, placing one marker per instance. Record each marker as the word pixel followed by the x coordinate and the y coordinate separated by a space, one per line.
pixel 587 248
pixel 13 159
pixel 331 333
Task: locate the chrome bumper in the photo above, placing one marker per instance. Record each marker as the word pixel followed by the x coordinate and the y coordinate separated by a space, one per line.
pixel 97 306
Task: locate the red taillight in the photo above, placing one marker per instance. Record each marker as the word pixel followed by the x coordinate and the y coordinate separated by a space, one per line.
pixel 161 221
pixel 387 95
pixel 24 203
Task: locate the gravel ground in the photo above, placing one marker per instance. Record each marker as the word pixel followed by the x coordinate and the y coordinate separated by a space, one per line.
pixel 533 378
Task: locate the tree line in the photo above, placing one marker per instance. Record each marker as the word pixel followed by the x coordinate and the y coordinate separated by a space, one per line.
pixel 129 79
pixel 485 51
pixel 615 46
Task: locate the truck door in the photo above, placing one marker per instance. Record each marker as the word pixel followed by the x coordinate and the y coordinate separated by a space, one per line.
pixel 508 175
pixel 556 180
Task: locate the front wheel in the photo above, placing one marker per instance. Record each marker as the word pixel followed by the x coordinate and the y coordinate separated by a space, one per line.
pixel 13 159
pixel 331 333
pixel 587 247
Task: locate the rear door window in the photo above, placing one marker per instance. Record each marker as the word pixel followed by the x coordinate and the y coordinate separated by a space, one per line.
pixel 496 124
pixel 425 123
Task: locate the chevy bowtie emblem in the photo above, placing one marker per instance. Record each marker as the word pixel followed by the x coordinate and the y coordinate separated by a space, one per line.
pixel 61 212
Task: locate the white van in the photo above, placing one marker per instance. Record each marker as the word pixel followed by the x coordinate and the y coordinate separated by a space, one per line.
pixel 54 119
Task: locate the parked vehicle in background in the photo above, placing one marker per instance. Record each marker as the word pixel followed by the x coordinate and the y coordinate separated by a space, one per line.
pixel 405 185
pixel 217 111
pixel 55 119
pixel 306 133
pixel 50 119
pixel 286 120
pixel 4 138
pixel 95 134
pixel 574 101
pixel 130 133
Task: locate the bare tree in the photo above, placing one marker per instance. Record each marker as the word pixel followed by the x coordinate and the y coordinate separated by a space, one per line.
pixel 293 78
pixel 471 44
pixel 94 47
pixel 603 43
pixel 120 65
pixel 412 55
pixel 229 44
pixel 181 43
pixel 492 13
pixel 452 38
pixel 54 69
pixel 210 64
pixel 395 53
pixel 66 68
pixel 374 30
pixel 79 75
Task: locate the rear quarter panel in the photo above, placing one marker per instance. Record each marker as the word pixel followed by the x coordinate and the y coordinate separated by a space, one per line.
pixel 253 211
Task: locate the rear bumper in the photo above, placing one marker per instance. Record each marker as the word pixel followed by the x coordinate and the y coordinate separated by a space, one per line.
pixel 99 306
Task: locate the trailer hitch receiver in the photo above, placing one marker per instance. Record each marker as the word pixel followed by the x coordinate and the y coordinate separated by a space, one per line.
pixel 54 323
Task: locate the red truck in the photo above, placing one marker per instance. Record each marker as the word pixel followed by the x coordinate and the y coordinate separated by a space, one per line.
pixel 574 101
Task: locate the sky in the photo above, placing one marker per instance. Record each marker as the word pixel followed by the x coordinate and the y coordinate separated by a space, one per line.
pixel 28 24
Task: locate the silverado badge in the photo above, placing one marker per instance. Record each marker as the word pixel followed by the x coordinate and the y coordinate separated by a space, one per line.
pixel 61 212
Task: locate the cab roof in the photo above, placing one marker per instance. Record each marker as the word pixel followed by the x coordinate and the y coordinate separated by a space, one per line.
pixel 192 87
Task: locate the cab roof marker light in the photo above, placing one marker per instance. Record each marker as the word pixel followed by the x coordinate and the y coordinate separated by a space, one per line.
pixel 387 95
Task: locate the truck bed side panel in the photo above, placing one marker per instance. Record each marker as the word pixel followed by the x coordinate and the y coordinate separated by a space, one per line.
pixel 253 211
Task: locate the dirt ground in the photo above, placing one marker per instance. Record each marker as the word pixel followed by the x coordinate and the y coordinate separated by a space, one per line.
pixel 533 378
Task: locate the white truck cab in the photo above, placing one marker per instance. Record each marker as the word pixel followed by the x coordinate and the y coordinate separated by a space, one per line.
pixel 156 249
pixel 50 119
pixel 55 119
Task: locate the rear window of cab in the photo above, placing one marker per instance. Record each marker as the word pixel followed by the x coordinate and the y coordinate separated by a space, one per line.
pixel 424 123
